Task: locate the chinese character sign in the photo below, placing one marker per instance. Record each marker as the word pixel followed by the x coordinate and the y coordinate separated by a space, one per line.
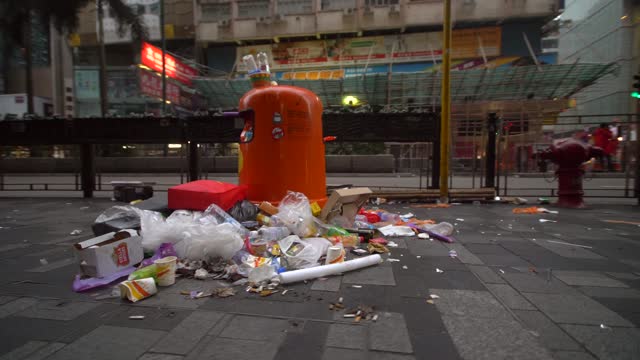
pixel 152 57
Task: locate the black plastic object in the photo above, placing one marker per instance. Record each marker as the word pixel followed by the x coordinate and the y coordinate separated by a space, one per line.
pixel 244 211
pixel 129 193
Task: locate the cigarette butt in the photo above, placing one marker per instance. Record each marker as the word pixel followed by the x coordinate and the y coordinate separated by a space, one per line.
pixel 375 317
pixel 358 318
pixel 340 300
pixel 349 315
pixel 339 306
pixel 285 292
pixel 330 306
pixel 136 317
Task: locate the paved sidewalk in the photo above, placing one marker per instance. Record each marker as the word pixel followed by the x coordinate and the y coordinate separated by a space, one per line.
pixel 518 289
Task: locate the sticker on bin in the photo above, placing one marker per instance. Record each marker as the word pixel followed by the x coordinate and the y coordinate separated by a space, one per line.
pixel 277 133
pixel 136 290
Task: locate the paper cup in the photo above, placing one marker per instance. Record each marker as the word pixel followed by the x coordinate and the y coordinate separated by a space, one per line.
pixel 136 290
pixel 335 254
pixel 166 270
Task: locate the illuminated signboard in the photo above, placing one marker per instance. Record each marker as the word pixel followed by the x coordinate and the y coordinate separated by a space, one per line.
pixel 152 57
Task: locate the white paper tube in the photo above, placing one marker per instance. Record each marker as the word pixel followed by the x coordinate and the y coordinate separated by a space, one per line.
pixel 327 270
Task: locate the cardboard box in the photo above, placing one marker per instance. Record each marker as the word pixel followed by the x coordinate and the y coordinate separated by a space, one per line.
pixel 345 202
pixel 109 253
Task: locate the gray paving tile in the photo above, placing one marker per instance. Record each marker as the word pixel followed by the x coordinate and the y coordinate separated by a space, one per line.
pixel 486 274
pixel 587 278
pixel 53 265
pixel 57 309
pixel 331 284
pixel 548 333
pixel 171 297
pixel 623 276
pixel 188 333
pixel 45 351
pixel 608 344
pixel 255 328
pixel 568 251
pixel 390 333
pixel 509 297
pixel 604 292
pixel 426 248
pixel 344 354
pixel 502 260
pixel 527 282
pixel 5 299
pixel 471 303
pixel 154 356
pixel 110 342
pixel 464 255
pixel 234 349
pixel 575 309
pixel 493 339
pixel 347 336
pixel 16 305
pixel 10 247
pixel 377 355
pixel 375 275
pixel 572 355
pixel 23 351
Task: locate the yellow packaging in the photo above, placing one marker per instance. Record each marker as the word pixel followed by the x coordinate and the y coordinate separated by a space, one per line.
pixel 315 209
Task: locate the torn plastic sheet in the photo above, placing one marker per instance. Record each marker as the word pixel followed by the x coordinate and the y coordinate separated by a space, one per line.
pixel 80 284
pixel 391 230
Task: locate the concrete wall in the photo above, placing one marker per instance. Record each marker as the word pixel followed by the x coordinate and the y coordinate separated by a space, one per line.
pixel 220 164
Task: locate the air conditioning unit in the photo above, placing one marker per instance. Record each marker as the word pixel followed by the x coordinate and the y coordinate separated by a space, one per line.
pixel 394 9
pixel 279 17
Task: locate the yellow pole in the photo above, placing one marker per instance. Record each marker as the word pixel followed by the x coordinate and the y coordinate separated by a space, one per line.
pixel 445 104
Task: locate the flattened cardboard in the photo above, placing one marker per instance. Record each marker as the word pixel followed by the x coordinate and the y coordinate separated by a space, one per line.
pixel 345 202
pixel 109 253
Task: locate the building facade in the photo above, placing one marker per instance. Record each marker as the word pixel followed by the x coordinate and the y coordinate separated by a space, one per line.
pixel 602 31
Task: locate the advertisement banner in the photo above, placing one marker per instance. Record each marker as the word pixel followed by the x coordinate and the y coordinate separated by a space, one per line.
pixel 150 13
pixel 376 49
pixel 151 56
pixel 151 85
pixel 87 84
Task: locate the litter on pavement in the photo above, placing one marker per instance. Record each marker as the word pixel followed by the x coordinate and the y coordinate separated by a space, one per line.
pixel 209 231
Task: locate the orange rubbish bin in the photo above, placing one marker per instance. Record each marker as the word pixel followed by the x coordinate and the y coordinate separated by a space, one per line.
pixel 281 145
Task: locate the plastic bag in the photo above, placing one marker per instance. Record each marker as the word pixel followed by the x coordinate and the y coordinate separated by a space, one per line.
pixel 203 242
pixel 295 212
pixel 115 212
pixel 300 254
pixel 215 215
pixel 195 236
pixel 244 211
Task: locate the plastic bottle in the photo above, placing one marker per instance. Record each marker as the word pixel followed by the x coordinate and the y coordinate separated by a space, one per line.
pixel 263 62
pixel 250 63
pixel 273 233
pixel 443 228
pixel 337 231
pixel 346 240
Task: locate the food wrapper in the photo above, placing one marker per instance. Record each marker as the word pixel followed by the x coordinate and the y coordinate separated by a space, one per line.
pixel 136 290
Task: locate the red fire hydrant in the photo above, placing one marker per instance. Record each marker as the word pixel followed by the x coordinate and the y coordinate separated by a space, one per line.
pixel 569 154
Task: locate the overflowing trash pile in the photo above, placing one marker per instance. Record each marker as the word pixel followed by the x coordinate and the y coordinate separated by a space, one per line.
pixel 261 247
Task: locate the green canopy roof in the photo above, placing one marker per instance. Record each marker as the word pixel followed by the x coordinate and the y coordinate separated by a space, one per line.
pixel 546 82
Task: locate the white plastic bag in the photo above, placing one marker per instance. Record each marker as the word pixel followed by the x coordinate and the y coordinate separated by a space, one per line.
pixel 115 212
pixel 295 212
pixel 300 254
pixel 204 242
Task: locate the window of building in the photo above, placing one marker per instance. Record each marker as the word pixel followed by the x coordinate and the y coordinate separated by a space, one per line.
pixel 338 4
pixel 286 7
pixel 380 2
pixel 216 12
pixel 253 9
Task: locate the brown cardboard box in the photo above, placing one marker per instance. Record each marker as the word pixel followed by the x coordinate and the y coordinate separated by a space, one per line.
pixel 345 202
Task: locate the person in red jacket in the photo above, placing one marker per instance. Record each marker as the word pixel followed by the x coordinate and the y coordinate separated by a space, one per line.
pixel 602 138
